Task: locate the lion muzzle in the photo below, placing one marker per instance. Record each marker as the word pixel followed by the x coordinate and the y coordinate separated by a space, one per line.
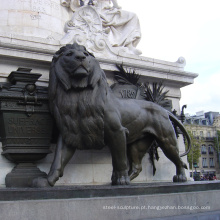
pixel 80 72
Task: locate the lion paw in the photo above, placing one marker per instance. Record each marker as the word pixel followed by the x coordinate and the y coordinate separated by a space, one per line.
pixel 120 178
pixel 134 171
pixel 179 178
pixel 40 182
pixel 133 174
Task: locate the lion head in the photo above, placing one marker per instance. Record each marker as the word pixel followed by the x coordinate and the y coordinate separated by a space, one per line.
pixel 75 67
pixel 77 94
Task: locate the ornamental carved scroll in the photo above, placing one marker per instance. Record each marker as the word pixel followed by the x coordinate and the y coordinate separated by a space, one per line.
pixel 102 28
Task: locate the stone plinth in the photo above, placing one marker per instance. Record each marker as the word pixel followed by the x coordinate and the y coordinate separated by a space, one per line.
pixel 142 201
pixel 25 126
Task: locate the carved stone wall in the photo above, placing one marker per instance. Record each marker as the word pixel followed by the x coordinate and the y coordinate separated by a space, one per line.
pixel 33 18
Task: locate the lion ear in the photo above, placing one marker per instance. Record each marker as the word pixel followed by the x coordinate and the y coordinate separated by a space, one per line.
pixel 62 76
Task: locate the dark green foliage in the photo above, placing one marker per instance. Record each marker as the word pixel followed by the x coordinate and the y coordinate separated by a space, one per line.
pixel 195 153
pixel 125 77
pixel 155 94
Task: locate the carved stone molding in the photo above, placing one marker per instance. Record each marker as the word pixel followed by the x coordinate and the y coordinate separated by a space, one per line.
pixel 85 28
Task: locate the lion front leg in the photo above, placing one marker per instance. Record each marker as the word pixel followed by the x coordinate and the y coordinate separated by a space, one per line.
pixel 119 159
pixel 115 136
pixel 120 172
pixel 63 154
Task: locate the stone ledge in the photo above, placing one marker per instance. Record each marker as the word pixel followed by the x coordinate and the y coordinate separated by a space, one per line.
pixel 202 204
pixel 151 68
pixel 214 215
pixel 72 192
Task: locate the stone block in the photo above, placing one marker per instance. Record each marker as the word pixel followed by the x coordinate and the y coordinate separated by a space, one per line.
pixel 200 204
pixel 101 157
pixel 30 20
pixel 80 174
pixel 15 18
pixel 46 15
pixel 51 23
pixel 11 4
pixel 4 17
pixel 26 5
pixel 82 157
pixel 102 173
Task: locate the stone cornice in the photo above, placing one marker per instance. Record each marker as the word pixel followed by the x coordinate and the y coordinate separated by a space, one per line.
pixel 149 68
pixel 171 72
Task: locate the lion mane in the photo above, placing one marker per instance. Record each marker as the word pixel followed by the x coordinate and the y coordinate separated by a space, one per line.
pixel 77 97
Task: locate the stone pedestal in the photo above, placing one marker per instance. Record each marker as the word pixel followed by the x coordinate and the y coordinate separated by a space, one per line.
pixel 30 34
pixel 22 175
pixel 138 201
pixel 25 126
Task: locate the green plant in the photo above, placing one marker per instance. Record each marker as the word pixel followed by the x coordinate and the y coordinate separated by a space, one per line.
pixel 195 152
pixel 126 77
pixel 157 95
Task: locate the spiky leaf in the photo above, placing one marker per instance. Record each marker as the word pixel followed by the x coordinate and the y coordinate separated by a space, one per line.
pixel 125 77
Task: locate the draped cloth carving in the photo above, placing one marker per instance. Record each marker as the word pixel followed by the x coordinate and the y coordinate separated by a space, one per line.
pixel 102 27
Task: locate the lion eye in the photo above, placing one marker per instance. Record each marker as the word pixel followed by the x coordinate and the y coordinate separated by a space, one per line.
pixel 86 54
pixel 69 54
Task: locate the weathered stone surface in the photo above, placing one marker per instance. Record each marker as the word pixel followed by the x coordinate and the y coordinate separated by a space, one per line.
pixel 102 28
pixel 37 18
pixel 134 202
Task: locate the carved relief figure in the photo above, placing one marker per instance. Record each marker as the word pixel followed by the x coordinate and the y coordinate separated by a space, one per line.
pixel 90 116
pixel 121 28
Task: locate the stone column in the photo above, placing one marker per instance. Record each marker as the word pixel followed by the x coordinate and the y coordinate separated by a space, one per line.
pixel 33 18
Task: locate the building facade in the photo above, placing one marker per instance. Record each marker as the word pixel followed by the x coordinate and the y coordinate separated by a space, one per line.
pixel 204 128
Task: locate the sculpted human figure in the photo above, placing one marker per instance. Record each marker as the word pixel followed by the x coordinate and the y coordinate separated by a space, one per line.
pixel 122 27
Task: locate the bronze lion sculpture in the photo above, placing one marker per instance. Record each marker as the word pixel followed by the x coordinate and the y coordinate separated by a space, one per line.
pixel 89 116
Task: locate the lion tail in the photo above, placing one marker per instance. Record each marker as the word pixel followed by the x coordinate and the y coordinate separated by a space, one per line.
pixel 183 129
